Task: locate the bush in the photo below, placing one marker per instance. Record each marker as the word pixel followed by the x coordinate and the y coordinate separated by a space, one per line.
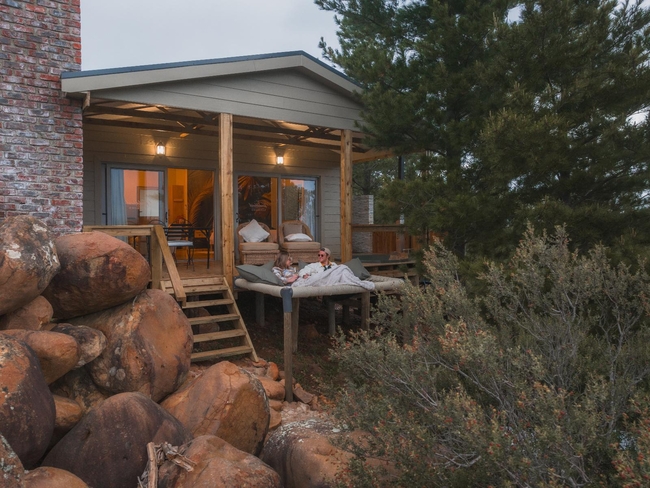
pixel 530 384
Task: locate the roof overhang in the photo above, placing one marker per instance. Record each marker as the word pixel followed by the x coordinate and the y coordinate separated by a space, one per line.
pixel 282 98
pixel 87 81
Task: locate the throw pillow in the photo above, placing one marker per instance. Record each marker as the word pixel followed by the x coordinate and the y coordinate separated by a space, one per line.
pixel 253 232
pixel 358 269
pixel 298 237
pixel 258 274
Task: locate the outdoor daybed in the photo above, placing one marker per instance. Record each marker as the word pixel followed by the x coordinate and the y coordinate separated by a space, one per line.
pixel 262 282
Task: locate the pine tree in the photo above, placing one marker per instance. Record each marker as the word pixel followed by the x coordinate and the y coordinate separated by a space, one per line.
pixel 517 120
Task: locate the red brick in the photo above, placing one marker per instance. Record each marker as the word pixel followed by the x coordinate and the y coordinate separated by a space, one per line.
pixel 41 164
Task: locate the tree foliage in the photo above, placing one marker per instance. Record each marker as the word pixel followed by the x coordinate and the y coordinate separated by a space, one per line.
pixel 543 381
pixel 522 111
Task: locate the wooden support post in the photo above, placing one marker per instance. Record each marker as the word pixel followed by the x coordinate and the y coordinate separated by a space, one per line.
pixel 295 304
pixel 156 257
pixel 226 184
pixel 346 195
pixel 331 317
pixel 259 308
pixel 365 310
pixel 288 358
pixel 346 313
pixel 287 307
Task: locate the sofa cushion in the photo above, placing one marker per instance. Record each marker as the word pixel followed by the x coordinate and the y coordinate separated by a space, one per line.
pixel 291 229
pixel 258 274
pixel 298 237
pixel 358 268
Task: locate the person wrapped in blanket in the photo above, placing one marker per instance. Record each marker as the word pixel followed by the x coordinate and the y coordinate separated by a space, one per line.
pixel 323 264
pixel 327 273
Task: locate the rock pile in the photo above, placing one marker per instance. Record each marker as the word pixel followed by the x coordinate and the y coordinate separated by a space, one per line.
pixel 95 373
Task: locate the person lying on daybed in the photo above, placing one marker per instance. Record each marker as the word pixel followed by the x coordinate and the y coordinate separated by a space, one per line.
pixel 283 270
pixel 323 264
pixel 322 273
pixel 349 273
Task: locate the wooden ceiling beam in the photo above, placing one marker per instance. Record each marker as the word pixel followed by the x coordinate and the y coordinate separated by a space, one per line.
pixel 211 133
pixel 208 118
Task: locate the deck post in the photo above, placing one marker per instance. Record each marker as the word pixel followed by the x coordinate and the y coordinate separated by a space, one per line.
pixel 226 189
pixel 259 308
pixel 295 316
pixel 288 339
pixel 365 310
pixel 156 258
pixel 346 195
pixel 331 316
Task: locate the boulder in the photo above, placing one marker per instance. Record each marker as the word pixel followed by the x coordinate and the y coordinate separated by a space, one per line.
pixel 148 345
pixel 92 342
pixel 98 271
pixel 11 469
pixel 68 414
pixel 218 465
pixel 28 261
pixel 57 353
pixel 26 404
pixel 273 371
pixel 274 390
pixel 48 477
pixel 31 316
pixel 301 452
pixel 225 401
pixel 77 385
pixel 108 447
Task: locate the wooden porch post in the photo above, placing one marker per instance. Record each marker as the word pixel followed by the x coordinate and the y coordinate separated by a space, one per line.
pixel 346 195
pixel 226 190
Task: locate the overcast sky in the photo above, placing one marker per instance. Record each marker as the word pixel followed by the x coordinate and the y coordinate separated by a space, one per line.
pixel 119 33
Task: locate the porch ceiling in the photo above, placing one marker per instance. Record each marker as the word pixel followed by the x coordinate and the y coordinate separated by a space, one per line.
pixel 185 122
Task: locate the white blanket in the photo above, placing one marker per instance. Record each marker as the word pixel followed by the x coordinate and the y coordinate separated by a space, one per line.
pixel 338 275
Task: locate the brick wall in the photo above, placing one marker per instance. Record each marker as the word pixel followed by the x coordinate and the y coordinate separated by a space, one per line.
pixel 41 167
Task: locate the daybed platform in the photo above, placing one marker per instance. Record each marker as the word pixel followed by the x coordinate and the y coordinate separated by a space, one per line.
pixel 291 306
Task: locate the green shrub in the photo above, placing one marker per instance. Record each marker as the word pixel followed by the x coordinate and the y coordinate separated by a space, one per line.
pixel 528 385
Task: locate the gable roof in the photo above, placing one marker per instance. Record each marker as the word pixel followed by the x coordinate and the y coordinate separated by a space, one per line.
pixel 191 70
pixel 300 97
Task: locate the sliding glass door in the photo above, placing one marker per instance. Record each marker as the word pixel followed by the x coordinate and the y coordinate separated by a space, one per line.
pixel 145 196
pixel 271 200
pixel 135 196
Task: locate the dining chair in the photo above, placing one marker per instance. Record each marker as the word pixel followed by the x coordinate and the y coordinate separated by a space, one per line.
pixel 181 236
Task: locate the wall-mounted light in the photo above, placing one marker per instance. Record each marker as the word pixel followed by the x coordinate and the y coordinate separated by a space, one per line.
pixel 160 149
pixel 279 155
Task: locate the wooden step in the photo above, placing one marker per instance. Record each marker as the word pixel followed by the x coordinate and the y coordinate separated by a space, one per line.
pixel 207 303
pixel 221 353
pixel 228 317
pixel 212 291
pixel 215 336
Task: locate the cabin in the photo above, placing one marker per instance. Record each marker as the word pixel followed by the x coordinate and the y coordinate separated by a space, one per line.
pixel 218 142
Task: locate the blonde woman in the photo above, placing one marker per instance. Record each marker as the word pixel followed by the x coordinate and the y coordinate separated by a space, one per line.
pixel 282 269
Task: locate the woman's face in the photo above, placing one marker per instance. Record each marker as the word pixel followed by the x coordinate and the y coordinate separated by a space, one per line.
pixel 288 262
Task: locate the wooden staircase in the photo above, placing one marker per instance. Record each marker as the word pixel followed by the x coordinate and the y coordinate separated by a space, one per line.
pixel 223 332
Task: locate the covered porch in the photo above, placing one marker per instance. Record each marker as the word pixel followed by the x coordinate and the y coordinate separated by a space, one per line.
pixel 269 137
